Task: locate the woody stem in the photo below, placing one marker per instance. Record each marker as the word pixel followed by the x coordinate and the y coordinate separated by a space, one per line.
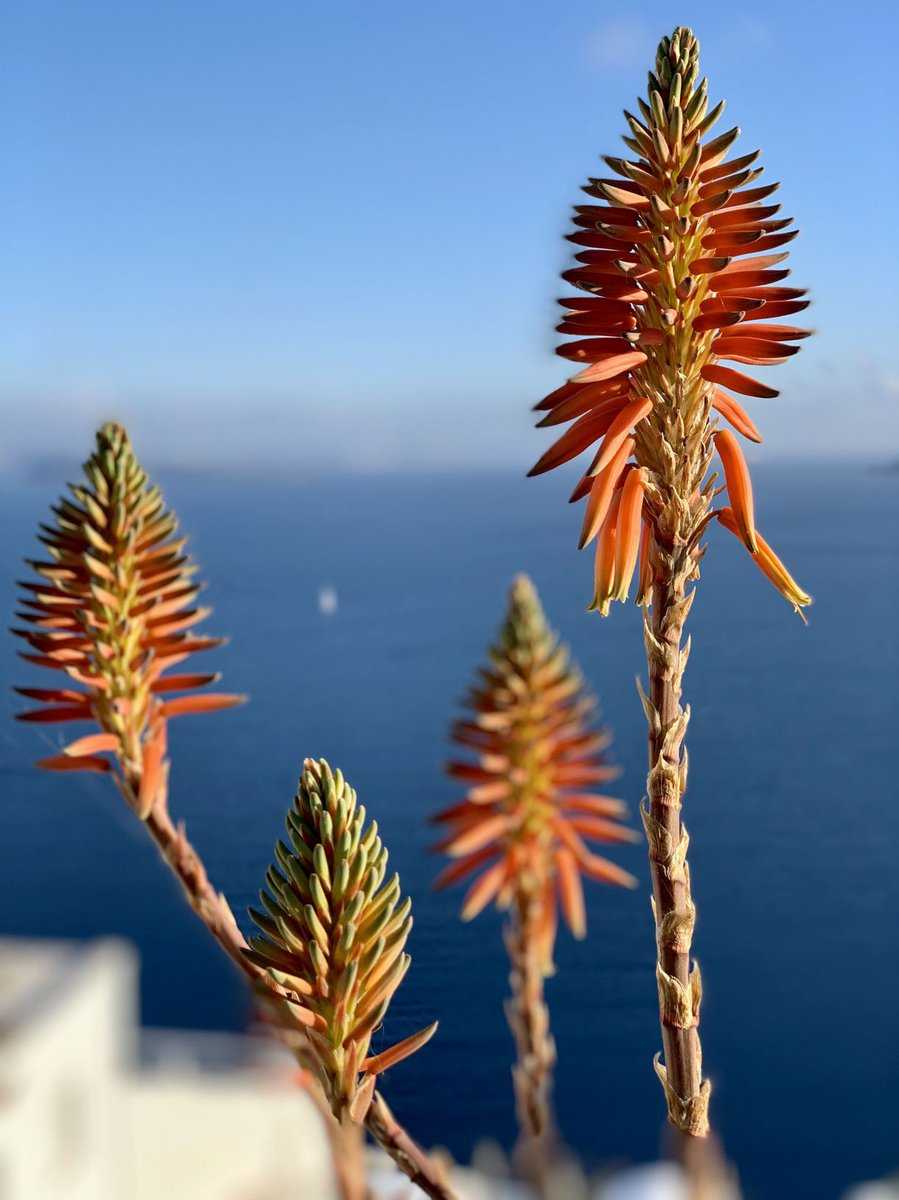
pixel 423 1170
pixel 528 1018
pixel 347 1140
pixel 679 988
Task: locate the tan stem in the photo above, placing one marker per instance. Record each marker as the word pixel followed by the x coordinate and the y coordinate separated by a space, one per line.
pixel 210 906
pixel 528 1018
pixel 347 1140
pixel 686 1092
pixel 422 1168
pixel 214 911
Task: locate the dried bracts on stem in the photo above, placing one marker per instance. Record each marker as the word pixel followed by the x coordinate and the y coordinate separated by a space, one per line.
pixel 530 811
pixel 114 609
pixel 680 269
pixel 333 936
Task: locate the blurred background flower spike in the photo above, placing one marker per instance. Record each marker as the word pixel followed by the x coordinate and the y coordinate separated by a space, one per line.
pixel 522 830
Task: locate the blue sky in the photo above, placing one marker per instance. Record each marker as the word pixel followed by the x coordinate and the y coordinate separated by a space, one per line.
pixel 328 235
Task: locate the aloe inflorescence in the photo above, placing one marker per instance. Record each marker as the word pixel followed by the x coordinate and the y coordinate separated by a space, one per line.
pixel 529 812
pixel 523 828
pixel 680 269
pixel 680 273
pixel 333 935
pixel 113 610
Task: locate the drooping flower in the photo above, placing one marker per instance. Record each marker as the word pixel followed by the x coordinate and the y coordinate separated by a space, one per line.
pixel 680 268
pixel 333 936
pixel 114 609
pixel 534 759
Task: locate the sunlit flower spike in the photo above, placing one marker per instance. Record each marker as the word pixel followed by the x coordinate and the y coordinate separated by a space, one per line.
pixel 114 610
pixel 680 282
pixel 333 932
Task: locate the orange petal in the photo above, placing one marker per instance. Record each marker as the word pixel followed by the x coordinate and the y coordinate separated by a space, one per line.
pixel 777 308
pixel 735 414
pixel 153 769
pixel 478 836
pixel 646 579
pixel 455 871
pixel 51 716
pixel 608 368
pixel 593 239
pixel 627 535
pixel 601 492
pixel 596 867
pixel 600 830
pixel 361 1101
pixel 571 893
pixel 51 695
pixel 770 565
pixel 737 381
pixel 739 486
pixel 604 563
pixel 606 403
pixel 591 350
pixel 756 263
pixel 62 762
pixel 744 346
pixel 620 428
pixel 742 217
pixel 389 1058
pixel 715 320
pixel 727 168
pixel 581 489
pixel 723 283
pixel 606 806
pixel 94 743
pixel 183 683
pixel 183 705
pixel 776 333
pixel 484 890
pixel 573 442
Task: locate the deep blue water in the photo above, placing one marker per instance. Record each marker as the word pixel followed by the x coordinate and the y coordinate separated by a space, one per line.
pixel 792 804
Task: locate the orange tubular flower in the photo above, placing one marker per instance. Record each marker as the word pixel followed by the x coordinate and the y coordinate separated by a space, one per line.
pixel 535 756
pixel 681 280
pixel 113 610
pixel 527 817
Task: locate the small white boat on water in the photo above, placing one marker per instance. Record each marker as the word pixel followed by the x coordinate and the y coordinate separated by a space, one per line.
pixel 327 600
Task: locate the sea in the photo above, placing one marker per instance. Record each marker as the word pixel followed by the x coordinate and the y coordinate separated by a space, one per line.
pixel 358 608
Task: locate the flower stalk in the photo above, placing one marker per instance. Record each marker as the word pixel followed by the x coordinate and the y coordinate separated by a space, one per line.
pixel 528 1016
pixel 677 278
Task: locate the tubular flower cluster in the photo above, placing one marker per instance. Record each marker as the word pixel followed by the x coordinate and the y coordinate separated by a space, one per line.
pixel 113 610
pixel 528 813
pixel 333 936
pixel 680 270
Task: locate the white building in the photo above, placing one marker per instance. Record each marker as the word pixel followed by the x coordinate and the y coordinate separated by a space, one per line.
pixel 204 1117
